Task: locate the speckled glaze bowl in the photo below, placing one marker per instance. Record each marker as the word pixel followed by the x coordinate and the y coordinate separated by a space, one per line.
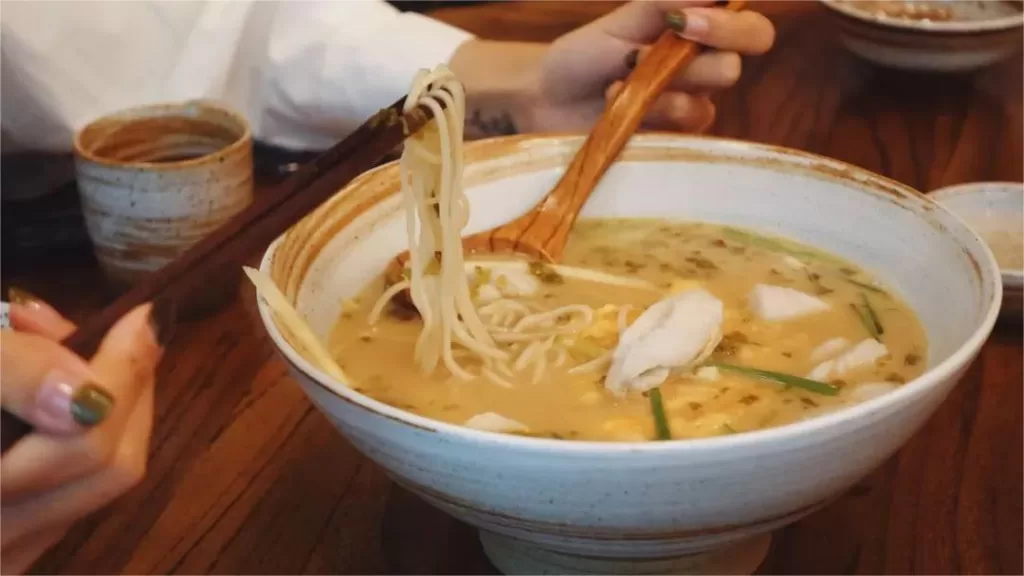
pixel 929 46
pixel 977 203
pixel 155 180
pixel 684 506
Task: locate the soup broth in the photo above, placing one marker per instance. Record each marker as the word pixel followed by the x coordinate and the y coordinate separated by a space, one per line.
pixel 866 340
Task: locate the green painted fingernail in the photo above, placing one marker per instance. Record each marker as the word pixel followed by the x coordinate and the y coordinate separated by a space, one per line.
pixel 91 405
pixel 676 20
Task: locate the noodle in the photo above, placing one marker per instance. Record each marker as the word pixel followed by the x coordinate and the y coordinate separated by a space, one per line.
pixel 593 365
pixel 504 336
pixel 384 299
pixel 436 213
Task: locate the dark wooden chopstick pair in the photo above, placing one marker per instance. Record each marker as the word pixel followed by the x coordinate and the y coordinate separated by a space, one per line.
pixel 270 215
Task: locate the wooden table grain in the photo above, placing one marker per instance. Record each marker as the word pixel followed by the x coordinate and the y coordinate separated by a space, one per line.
pixel 247 477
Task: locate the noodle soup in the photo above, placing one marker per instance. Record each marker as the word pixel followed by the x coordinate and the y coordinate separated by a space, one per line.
pixel 801 332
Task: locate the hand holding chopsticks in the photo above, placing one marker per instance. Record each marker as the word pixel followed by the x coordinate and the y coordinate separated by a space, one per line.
pixel 171 287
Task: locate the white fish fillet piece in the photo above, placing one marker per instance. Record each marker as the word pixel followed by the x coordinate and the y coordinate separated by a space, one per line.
pixel 676 332
pixel 829 348
pixel 709 373
pixel 774 303
pixel 867 351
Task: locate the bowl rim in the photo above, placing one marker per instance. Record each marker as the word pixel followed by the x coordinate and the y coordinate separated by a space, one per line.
pixel 1012 277
pixel 160 110
pixel 953 27
pixel 775 435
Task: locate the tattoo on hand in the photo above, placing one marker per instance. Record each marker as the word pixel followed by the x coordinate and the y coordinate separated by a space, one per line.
pixel 631 58
pixel 499 125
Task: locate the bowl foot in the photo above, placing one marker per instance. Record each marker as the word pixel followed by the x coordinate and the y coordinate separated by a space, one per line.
pixel 513 556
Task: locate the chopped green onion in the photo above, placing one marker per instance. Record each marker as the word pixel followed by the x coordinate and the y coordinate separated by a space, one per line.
pixel 865 319
pixel 866 286
pixel 872 315
pixel 788 379
pixel 815 280
pixel 481 276
pixel 660 421
pixel 771 244
pixel 545 273
pixel 728 429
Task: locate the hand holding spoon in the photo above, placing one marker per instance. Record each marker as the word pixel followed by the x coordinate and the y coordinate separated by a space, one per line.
pixel 543 231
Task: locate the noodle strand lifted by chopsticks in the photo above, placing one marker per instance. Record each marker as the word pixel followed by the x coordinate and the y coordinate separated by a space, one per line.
pixel 436 213
pixel 502 339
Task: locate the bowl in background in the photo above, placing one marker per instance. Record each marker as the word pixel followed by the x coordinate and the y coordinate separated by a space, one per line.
pixel 680 506
pixel 977 33
pixel 995 210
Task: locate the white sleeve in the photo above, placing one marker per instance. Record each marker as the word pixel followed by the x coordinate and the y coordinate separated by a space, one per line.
pixel 303 73
pixel 331 65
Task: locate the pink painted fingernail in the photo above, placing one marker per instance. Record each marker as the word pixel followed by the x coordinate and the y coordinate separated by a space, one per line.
pixel 690 25
pixel 66 404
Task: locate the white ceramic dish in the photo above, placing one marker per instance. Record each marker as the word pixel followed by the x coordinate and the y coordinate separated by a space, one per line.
pixel 989 207
pixel 701 506
pixel 925 45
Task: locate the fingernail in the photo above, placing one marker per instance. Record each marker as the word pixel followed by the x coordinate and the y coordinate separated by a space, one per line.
pixel 64 404
pixel 163 319
pixel 688 24
pixel 34 305
pixel 631 58
pixel 25 298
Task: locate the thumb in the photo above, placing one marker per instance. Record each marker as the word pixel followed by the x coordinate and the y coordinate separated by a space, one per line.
pixel 47 386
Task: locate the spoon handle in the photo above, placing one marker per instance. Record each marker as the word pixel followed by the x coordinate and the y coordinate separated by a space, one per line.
pixel 543 230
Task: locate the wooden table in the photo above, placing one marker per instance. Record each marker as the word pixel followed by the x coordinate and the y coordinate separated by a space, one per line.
pixel 247 477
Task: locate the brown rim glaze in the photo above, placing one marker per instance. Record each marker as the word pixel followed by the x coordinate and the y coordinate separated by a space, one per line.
pixel 88 138
pixel 496 158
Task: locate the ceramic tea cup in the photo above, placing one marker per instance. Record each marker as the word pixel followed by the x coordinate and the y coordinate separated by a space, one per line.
pixel 157 179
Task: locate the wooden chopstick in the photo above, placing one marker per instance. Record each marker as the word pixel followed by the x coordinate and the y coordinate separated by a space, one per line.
pixel 269 216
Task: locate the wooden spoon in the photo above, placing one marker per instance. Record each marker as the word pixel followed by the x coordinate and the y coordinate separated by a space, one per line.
pixel 543 231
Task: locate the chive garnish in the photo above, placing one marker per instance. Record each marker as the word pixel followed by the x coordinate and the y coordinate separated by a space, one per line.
pixel 658 410
pixel 865 319
pixel 771 244
pixel 728 429
pixel 815 280
pixel 872 315
pixel 866 286
pixel 545 273
pixel 787 379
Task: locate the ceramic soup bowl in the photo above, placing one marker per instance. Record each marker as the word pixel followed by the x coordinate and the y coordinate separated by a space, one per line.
pixel 965 36
pixel 701 506
pixel 995 210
